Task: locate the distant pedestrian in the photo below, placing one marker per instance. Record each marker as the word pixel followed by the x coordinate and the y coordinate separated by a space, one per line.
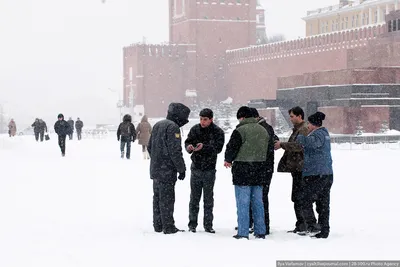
pixel 143 131
pixel 127 134
pixel 62 129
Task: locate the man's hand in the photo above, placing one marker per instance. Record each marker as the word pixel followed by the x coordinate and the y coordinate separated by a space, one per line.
pixel 118 139
pixel 190 148
pixel 181 176
pixel 277 145
pixel 198 147
pixel 227 164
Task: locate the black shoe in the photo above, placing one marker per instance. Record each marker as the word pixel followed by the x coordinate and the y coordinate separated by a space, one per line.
pixel 321 235
pixel 173 231
pixel 192 229
pixel 260 236
pixel 157 230
pixel 240 237
pixel 210 230
pixel 63 155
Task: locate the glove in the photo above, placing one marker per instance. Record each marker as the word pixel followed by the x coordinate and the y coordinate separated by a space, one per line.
pixel 181 176
pixel 118 139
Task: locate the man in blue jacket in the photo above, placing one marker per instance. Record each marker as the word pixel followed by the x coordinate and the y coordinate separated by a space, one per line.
pixel 317 173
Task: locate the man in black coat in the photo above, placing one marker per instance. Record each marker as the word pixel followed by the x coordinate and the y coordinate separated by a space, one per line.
pixel 127 133
pixel 78 127
pixel 269 162
pixel 36 129
pixel 71 125
pixel 62 128
pixel 166 161
pixel 204 141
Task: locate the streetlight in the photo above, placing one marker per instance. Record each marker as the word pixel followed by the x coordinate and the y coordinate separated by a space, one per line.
pixel 120 103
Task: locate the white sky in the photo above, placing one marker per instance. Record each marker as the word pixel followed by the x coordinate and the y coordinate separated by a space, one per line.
pixel 62 55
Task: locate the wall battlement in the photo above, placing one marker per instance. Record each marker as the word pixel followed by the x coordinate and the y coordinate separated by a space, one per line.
pixel 159 50
pixel 309 45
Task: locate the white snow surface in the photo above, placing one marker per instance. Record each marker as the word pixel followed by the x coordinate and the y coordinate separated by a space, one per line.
pixel 92 208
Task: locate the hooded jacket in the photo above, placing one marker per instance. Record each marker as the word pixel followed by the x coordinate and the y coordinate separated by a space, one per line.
pixel 165 144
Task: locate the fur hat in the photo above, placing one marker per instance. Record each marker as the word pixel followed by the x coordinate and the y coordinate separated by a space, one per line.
pixel 316 118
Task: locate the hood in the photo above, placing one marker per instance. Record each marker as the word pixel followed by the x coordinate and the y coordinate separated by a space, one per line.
pixel 127 118
pixel 178 113
pixel 144 119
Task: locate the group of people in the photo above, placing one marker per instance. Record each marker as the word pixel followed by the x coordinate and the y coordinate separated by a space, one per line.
pixel 39 128
pixel 250 155
pixel 78 126
pixel 127 133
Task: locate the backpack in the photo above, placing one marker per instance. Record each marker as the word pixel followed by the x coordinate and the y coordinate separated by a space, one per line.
pixel 125 129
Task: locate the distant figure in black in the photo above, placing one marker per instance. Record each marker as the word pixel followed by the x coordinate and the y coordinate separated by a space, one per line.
pixel 78 127
pixel 62 129
pixel 71 125
pixel 127 134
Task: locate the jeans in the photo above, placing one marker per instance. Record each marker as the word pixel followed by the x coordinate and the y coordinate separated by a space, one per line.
pixel 127 141
pixel 244 196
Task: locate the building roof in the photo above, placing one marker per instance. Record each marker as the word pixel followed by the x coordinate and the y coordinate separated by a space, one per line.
pixel 353 5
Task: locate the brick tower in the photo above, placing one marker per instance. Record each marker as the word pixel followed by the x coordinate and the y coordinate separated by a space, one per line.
pixel 212 27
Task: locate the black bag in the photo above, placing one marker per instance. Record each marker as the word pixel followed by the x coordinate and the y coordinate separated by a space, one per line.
pixel 47 137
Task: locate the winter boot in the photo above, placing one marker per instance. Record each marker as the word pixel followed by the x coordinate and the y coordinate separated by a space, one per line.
pixel 122 154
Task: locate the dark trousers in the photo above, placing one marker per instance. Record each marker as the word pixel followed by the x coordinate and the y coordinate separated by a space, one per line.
pixel 71 135
pixel 163 205
pixel 144 148
pixel 298 187
pixel 202 182
pixel 37 136
pixel 126 141
pixel 266 203
pixel 41 136
pixel 61 143
pixel 317 189
pixel 79 134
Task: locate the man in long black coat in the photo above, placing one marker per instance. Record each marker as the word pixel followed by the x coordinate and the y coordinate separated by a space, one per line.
pixel 166 162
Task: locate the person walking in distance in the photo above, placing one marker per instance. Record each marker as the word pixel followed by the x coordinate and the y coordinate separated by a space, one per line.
pixel 42 129
pixel 78 127
pixel 292 161
pixel 143 131
pixel 36 129
pixel 12 128
pixel 127 133
pixel 62 129
pixel 166 161
pixel 71 125
pixel 204 141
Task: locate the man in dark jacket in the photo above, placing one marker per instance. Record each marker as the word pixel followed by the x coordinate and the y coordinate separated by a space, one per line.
pixel 36 129
pixel 246 153
pixel 127 133
pixel 270 164
pixel 62 129
pixel 71 125
pixel 166 161
pixel 292 161
pixel 78 127
pixel 42 129
pixel 204 141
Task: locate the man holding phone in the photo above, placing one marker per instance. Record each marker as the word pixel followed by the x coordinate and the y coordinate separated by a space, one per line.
pixel 204 141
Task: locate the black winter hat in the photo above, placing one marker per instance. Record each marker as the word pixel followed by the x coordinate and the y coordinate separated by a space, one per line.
pixel 208 113
pixel 316 118
pixel 255 113
pixel 60 116
pixel 244 112
pixel 179 113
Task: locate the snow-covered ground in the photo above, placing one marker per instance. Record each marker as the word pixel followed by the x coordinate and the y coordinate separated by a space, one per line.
pixel 93 209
